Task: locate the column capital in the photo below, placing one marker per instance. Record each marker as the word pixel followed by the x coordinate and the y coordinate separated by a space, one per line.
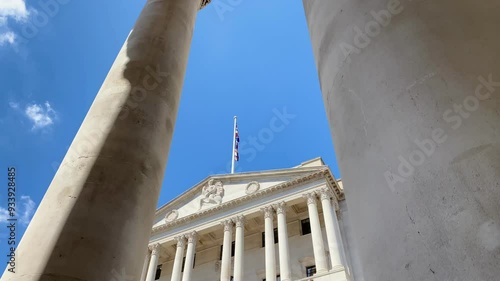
pixel 191 237
pixel 228 224
pixel 155 249
pixel 311 198
pixel 268 211
pixel 281 208
pixel 325 194
pixel 239 221
pixel 181 240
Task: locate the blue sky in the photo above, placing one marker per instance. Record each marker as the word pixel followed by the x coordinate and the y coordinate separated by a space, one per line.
pixel 252 59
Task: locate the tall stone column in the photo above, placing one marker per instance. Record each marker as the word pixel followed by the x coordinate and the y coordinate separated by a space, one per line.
pixel 101 202
pixel 239 251
pixel 411 91
pixel 179 255
pixel 225 269
pixel 191 248
pixel 145 266
pixel 269 241
pixel 153 263
pixel 284 251
pixel 316 235
pixel 335 245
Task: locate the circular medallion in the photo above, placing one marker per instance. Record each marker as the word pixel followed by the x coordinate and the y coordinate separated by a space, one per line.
pixel 172 215
pixel 252 187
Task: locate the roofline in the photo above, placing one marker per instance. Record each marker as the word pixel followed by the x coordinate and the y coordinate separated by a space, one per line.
pixel 311 160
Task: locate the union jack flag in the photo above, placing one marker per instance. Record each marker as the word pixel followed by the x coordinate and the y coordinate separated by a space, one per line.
pixel 236 142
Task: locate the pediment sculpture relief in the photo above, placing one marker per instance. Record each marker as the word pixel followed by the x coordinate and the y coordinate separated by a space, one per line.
pixel 212 193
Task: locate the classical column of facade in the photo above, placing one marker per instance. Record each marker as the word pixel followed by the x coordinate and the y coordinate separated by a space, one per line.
pixel 225 270
pixel 153 262
pixel 335 245
pixel 145 266
pixel 179 255
pixel 317 236
pixel 191 247
pixel 411 91
pixel 269 241
pixel 239 251
pixel 284 252
pixel 116 162
pixel 342 249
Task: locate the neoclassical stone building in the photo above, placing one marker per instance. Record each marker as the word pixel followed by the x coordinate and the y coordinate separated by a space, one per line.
pixel 288 224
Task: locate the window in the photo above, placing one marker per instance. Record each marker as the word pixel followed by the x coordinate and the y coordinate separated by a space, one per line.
pixel 275 237
pixel 305 225
pixel 232 250
pixel 278 278
pixel 158 272
pixel 184 261
pixel 310 270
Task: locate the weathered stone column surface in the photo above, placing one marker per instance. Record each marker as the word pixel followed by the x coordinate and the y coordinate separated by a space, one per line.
pixel 412 92
pixel 95 218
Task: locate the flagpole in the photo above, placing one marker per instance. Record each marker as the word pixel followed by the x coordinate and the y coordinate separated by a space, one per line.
pixel 234 144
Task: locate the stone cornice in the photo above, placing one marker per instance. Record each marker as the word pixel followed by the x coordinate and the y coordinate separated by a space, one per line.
pixel 318 174
pixel 332 183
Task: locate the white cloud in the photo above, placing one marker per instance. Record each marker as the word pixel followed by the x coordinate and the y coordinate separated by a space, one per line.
pixel 14 105
pixel 25 210
pixel 11 9
pixel 15 9
pixel 7 37
pixel 28 209
pixel 40 115
pixel 4 215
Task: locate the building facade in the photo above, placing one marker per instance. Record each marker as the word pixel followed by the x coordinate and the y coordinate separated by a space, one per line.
pixel 288 224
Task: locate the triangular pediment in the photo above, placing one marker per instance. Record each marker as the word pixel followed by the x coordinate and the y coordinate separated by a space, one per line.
pixel 218 190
